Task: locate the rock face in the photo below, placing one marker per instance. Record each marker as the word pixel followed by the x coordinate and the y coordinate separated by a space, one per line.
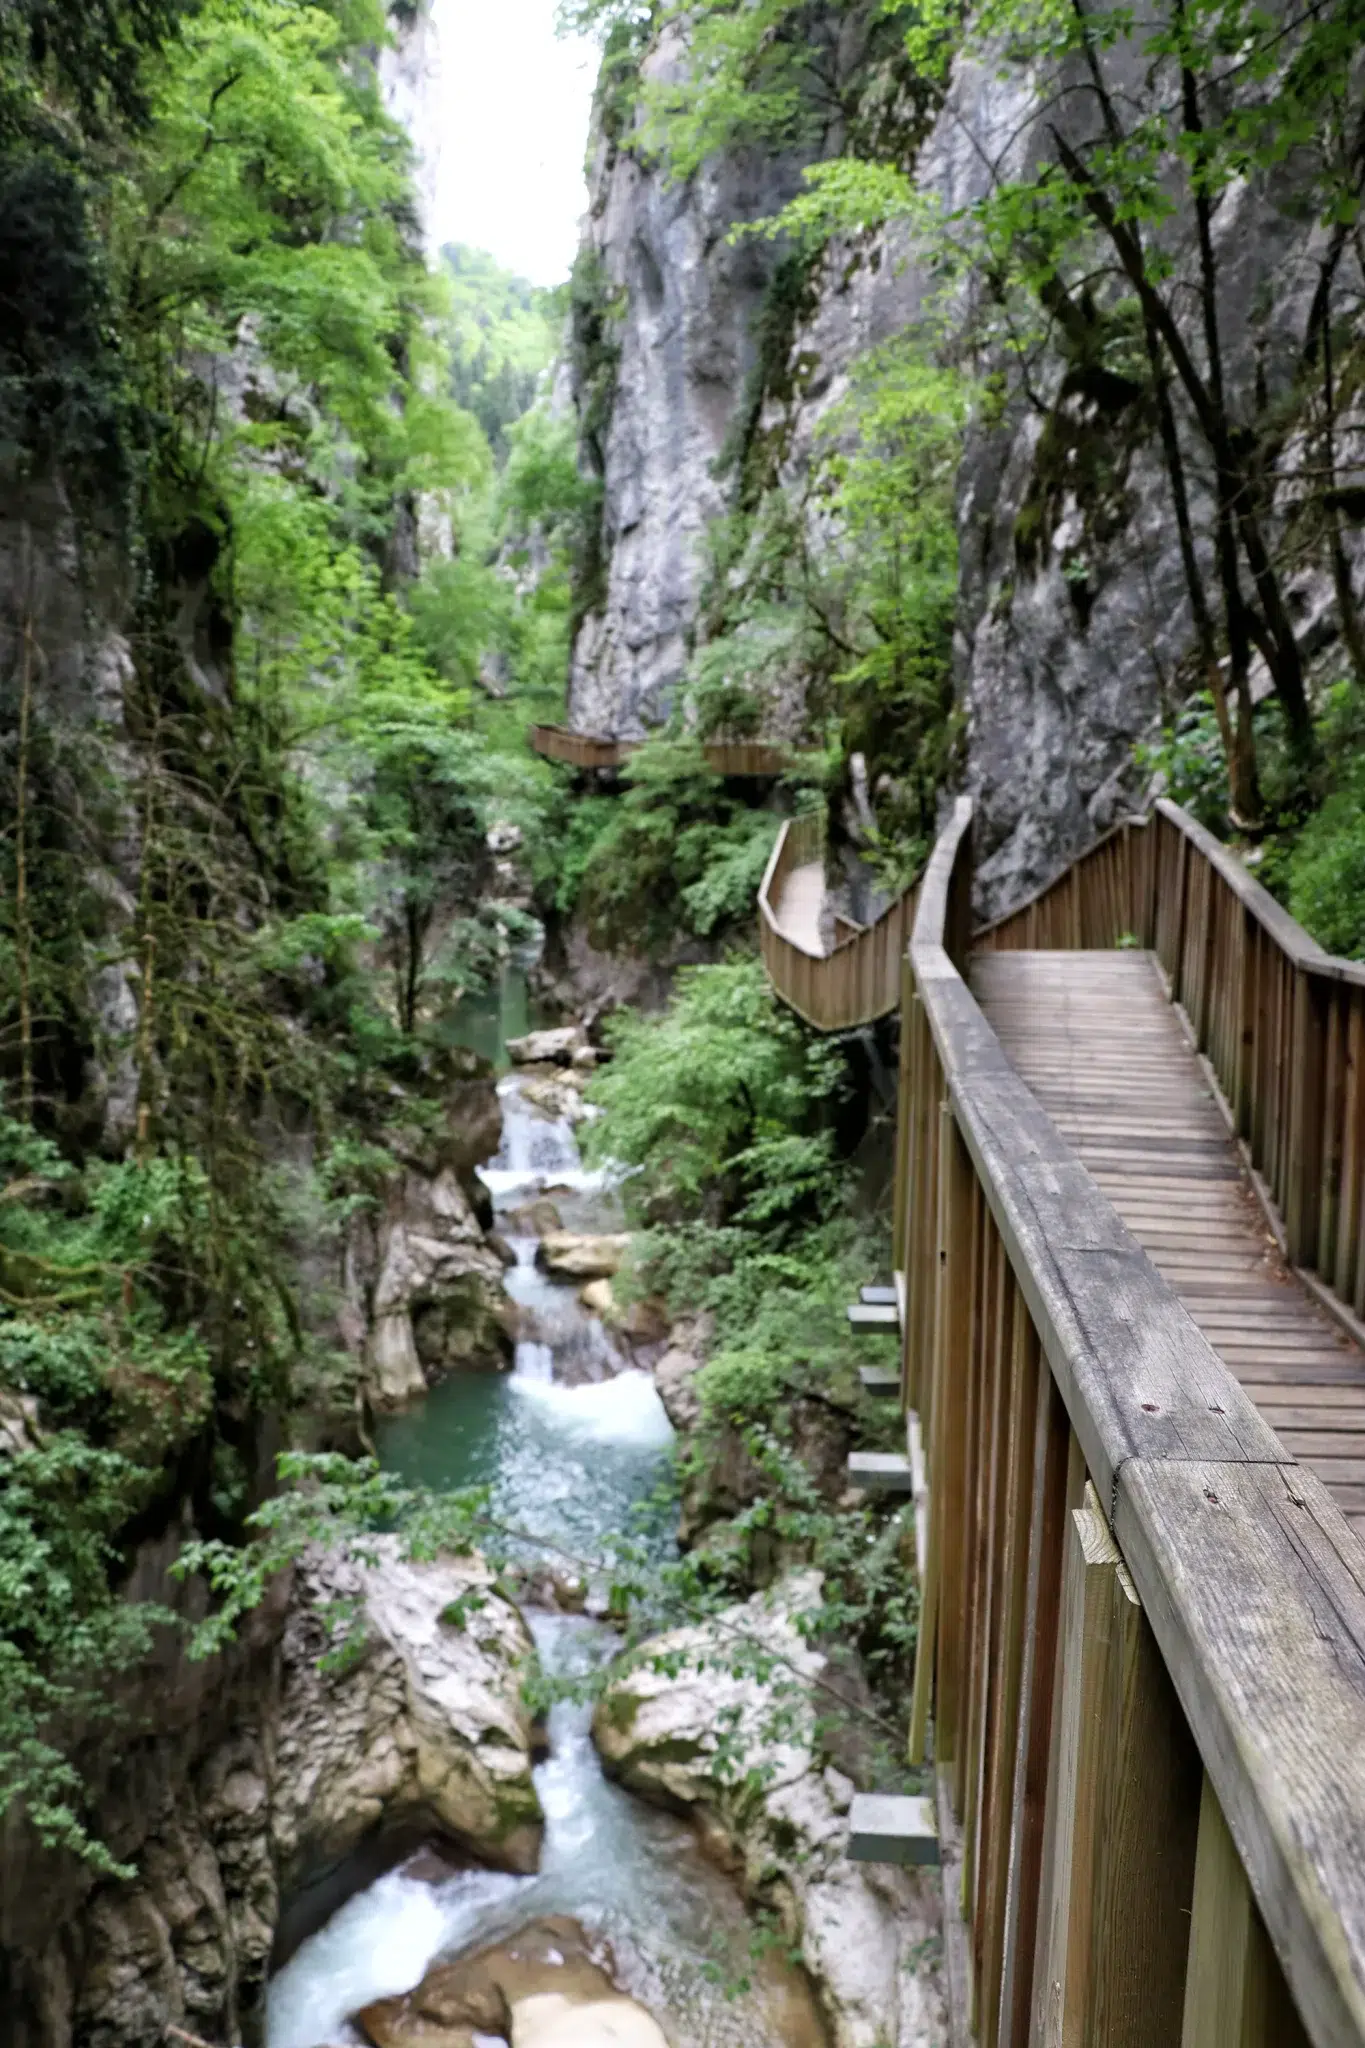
pixel 682 302
pixel 436 1301
pixel 1074 626
pixel 261 1779
pixel 420 1728
pixel 743 1756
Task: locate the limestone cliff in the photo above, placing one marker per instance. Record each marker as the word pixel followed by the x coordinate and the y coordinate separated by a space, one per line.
pixel 667 346
pixel 258 1792
pixel 1074 622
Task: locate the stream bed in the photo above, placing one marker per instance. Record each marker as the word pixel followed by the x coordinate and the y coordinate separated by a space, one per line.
pixel 569 1443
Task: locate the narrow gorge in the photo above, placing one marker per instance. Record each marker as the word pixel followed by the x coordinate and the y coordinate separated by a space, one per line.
pixel 461 1579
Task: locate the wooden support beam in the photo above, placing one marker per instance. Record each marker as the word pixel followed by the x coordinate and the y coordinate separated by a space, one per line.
pixel 881 1380
pixel 889 1829
pixel 881 1472
pixel 877 1297
pixel 1113 1936
pixel 1235 1993
pixel 861 1317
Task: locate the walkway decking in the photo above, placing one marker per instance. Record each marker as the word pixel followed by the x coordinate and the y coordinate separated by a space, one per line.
pixel 800 907
pixel 1101 1048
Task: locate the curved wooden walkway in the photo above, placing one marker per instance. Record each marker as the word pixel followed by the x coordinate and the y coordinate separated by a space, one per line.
pixel 1097 1041
pixel 1128 1246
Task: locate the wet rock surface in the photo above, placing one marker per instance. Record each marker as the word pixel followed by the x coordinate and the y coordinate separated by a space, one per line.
pixel 547 1986
pixel 571 1255
pixel 436 1302
pixel 413 1722
pixel 779 1817
pixel 556 1047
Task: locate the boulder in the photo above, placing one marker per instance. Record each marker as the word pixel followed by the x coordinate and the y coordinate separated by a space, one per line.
pixel 597 1298
pixel 640 1322
pixel 676 1372
pixel 540 1048
pixel 556 1097
pixel 413 1724
pixel 541 1988
pixel 570 1256
pixel 686 1724
pixel 534 1219
pixel 437 1302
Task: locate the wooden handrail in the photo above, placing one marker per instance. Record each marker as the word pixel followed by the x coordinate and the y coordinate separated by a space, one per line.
pixel 591 751
pixel 1143 1621
pixel 859 979
pixel 1280 1021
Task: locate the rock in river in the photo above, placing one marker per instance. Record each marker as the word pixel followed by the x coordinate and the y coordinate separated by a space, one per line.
pixel 542 1988
pixel 416 1725
pixel 688 1723
pixel 571 1257
pixel 539 1047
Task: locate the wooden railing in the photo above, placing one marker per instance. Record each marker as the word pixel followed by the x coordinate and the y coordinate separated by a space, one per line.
pixel 1143 1624
pixel 1281 1022
pixel 723 757
pixel 859 979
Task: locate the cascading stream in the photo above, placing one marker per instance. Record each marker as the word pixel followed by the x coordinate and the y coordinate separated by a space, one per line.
pixel 568 1444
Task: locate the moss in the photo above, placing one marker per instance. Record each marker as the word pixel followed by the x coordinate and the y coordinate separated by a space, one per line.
pixel 62 398
pixel 621 1710
pixel 596 308
pixel 777 374
pixel 1083 455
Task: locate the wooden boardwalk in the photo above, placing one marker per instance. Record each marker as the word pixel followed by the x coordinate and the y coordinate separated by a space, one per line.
pixel 800 907
pixel 1104 1053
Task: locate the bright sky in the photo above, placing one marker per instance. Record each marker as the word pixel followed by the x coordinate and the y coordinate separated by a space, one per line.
pixel 516 102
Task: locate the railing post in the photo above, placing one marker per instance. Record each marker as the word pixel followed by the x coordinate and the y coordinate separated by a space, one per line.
pixel 1042 1611
pixel 948 1458
pixel 1114 1931
pixel 1235 1993
pixel 1307 1057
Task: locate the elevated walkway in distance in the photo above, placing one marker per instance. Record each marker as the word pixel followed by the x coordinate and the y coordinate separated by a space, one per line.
pixel 589 751
pixel 835 987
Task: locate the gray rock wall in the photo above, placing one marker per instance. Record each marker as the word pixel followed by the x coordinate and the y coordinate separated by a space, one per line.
pixel 1067 649
pixel 262 1789
pixel 687 302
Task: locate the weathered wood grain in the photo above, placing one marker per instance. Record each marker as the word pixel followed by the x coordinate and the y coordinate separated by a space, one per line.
pixel 1255 1590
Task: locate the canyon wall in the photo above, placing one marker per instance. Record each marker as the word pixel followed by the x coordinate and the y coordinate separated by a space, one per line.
pixel 1074 626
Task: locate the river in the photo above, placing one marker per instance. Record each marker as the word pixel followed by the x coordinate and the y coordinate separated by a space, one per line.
pixel 569 1443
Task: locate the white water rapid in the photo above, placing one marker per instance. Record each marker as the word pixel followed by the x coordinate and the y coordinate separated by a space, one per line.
pixel 569 1441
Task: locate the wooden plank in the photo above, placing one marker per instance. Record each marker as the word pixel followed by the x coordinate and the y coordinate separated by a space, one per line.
pixel 948 1457
pixel 883 1381
pixel 878 1297
pixel 1235 1993
pixel 1062 1987
pixel 1042 1609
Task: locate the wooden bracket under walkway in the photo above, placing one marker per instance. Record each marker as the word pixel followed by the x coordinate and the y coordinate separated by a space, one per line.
pixel 887 1828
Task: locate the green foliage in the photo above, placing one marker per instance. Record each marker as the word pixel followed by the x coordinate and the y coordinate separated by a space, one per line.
pixel 675 852
pixel 504 334
pixel 772 74
pixel 1327 870
pixel 717 1104
pixel 219 321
